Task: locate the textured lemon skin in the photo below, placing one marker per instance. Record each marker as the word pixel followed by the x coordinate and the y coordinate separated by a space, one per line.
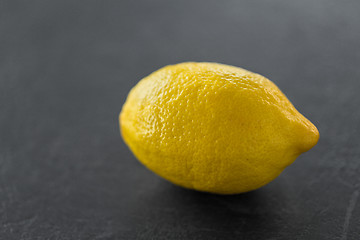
pixel 213 127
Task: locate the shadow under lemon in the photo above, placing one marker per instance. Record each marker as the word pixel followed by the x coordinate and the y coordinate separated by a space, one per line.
pixel 179 212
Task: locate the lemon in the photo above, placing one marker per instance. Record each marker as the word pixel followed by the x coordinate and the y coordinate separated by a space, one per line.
pixel 213 127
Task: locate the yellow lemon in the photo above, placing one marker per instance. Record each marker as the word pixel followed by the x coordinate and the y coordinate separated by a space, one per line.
pixel 213 127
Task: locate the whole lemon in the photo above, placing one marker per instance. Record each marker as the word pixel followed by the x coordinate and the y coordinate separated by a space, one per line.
pixel 213 127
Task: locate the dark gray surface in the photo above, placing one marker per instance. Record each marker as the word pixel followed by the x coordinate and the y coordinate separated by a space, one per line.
pixel 67 66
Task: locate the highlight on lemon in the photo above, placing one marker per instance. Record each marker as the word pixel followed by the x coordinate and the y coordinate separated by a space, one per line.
pixel 213 127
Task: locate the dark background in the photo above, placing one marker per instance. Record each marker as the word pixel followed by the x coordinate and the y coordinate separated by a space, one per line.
pixel 67 66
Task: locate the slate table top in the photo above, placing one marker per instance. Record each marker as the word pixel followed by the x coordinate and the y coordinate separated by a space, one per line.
pixel 66 68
